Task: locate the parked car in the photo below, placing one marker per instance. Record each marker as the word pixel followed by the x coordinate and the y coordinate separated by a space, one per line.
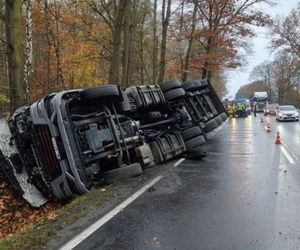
pixel 287 113
pixel 270 109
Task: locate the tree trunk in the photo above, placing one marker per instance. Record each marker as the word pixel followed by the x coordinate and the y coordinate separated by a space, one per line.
pixel 165 22
pixel 28 49
pixel 180 38
pixel 206 73
pixel 190 46
pixel 49 44
pixel 142 51
pixel 154 45
pixel 126 44
pixel 56 39
pixel 118 24
pixel 14 52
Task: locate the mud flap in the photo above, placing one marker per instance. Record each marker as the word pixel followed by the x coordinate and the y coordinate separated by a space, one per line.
pixel 19 181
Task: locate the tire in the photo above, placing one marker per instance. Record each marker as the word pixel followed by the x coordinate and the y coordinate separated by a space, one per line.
pixel 188 86
pixel 197 85
pixel 191 133
pixel 204 83
pixel 124 172
pixel 219 120
pixel 224 116
pixel 107 94
pixel 170 85
pixel 124 106
pixel 175 94
pixel 211 125
pixel 194 142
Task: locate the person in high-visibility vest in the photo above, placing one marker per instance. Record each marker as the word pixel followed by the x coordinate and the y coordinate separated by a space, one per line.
pixel 255 108
pixel 241 109
pixel 230 110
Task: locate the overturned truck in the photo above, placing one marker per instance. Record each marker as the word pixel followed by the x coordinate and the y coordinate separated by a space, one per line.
pixel 63 144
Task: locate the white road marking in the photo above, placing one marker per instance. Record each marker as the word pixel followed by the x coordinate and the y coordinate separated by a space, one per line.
pixel 178 162
pixel 290 151
pixel 287 155
pixel 95 226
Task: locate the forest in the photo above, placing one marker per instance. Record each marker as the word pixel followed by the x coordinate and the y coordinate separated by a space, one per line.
pixel 50 45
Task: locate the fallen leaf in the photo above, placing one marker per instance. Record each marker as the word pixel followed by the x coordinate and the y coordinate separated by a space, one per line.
pixel 52 217
pixel 156 240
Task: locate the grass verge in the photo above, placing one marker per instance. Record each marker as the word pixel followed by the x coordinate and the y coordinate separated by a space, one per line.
pixel 35 236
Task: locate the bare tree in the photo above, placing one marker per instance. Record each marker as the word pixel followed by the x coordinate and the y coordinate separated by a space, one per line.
pixel 286 32
pixel 154 44
pixel 190 46
pixel 166 13
pixel 286 74
pixel 264 72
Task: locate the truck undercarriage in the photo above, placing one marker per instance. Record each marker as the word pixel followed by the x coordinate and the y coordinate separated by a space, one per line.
pixel 63 144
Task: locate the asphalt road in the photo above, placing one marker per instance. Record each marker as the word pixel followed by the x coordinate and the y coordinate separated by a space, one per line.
pixel 244 195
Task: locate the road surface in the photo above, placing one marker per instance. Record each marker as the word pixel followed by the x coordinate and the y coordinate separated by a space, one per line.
pixel 244 195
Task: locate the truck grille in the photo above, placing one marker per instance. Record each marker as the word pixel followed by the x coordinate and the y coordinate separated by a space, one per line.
pixel 50 163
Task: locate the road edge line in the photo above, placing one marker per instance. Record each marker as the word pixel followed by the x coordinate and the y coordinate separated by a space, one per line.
pixel 177 163
pixel 99 223
pixel 287 155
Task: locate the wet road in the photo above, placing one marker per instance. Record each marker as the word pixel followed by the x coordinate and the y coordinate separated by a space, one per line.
pixel 244 195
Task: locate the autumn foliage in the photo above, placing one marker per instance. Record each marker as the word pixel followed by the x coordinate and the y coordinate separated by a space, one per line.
pixel 83 43
pixel 16 215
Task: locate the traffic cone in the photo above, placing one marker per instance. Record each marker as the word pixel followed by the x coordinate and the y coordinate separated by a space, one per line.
pixel 278 140
pixel 269 127
pixel 262 120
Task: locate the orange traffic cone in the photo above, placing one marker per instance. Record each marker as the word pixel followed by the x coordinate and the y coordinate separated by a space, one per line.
pixel 278 140
pixel 269 127
pixel 262 120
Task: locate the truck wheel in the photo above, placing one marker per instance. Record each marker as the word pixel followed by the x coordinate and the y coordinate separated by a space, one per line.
pixel 124 106
pixel 123 172
pixel 224 116
pixel 175 94
pixel 188 86
pixel 107 94
pixel 197 85
pixel 219 120
pixel 204 83
pixel 191 133
pixel 194 142
pixel 169 85
pixel 211 125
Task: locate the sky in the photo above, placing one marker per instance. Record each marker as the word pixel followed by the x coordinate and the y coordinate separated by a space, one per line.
pixel 240 76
